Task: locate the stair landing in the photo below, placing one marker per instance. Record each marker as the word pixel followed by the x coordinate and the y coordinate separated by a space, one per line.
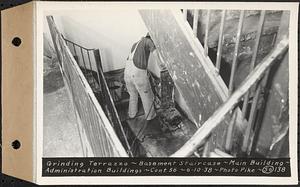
pixel 158 143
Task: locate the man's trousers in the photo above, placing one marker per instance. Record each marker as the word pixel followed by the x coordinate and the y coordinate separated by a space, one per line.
pixel 137 82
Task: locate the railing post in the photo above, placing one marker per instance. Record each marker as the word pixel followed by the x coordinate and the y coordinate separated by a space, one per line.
pixel 220 42
pixel 98 58
pixel 195 22
pixel 185 14
pixel 236 50
pixel 211 123
pixel 251 120
pixel 88 54
pixel 280 35
pixel 75 51
pixel 230 130
pixel 254 57
pixel 98 65
pixel 83 60
pixel 206 32
pixel 110 102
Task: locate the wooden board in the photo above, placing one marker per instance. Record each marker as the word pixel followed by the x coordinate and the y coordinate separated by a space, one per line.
pixel 193 75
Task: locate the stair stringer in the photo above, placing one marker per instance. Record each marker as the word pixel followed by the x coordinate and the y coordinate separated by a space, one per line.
pixel 197 81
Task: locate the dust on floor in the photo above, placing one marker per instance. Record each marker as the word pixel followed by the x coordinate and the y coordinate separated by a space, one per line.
pixel 60 134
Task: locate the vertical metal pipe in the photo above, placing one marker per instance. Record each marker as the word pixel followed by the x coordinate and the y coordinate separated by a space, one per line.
pixel 111 105
pixel 206 149
pixel 98 58
pixel 236 50
pixel 254 57
pixel 75 52
pixel 98 65
pixel 260 114
pixel 251 120
pixel 195 22
pixel 90 64
pixel 83 59
pixel 206 33
pixel 230 130
pixel 87 51
pixel 220 42
pixel 185 14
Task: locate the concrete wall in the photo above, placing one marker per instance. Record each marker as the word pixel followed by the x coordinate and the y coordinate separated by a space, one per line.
pixel 111 31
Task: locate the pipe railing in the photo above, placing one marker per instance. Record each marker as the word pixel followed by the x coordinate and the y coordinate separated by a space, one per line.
pixel 100 124
pixel 106 98
pixel 256 91
pixel 254 77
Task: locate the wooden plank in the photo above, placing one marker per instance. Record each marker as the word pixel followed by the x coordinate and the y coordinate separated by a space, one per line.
pixel 190 146
pixel 193 73
pixel 184 62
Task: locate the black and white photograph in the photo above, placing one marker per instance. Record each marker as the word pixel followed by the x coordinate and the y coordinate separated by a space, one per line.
pixel 140 83
pixel 197 82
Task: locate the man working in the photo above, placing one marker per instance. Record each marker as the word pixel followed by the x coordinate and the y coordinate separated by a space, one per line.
pixel 137 81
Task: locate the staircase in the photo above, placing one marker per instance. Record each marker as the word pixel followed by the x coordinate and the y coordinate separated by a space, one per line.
pixel 225 116
pixel 201 85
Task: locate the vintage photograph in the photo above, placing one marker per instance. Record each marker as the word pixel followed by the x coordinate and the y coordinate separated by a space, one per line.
pixel 211 83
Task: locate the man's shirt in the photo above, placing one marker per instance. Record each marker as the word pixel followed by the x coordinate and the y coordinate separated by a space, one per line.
pixel 141 55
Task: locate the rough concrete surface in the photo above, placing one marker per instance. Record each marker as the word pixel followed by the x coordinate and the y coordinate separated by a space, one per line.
pixel 155 141
pixel 60 134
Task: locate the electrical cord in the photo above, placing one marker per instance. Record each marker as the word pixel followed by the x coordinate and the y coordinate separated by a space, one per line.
pixel 143 127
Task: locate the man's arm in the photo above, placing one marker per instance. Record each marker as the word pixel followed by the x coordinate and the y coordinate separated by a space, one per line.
pixel 158 59
pixel 150 45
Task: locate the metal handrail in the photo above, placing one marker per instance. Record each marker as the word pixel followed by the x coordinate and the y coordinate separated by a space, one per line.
pixel 248 111
pixel 97 128
pixel 88 49
pixel 111 110
pixel 193 143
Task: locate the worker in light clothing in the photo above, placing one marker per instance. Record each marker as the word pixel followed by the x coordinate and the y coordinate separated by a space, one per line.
pixel 136 78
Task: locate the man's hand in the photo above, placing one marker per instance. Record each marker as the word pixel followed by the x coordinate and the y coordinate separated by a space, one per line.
pixel 160 61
